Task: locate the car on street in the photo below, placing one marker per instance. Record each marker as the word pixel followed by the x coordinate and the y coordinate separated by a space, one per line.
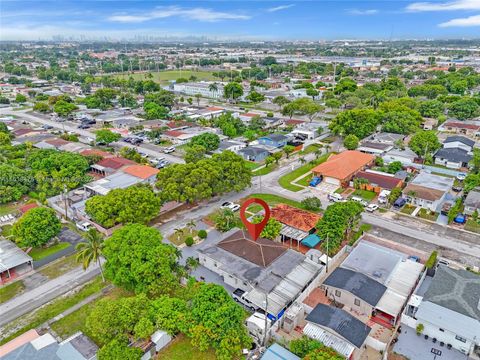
pixel 169 150
pixel 230 205
pixel 84 126
pixel 372 207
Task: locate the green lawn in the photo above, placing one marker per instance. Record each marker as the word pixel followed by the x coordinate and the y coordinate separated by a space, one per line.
pixel 6 230
pixel 364 194
pixel 286 180
pixel 266 170
pixel 7 209
pixel 273 200
pixel 11 290
pixel 305 181
pixel 310 149
pixel 426 214
pixel 40 253
pixel 59 267
pixel 180 239
pixel 165 76
pixel 252 165
pixel 408 209
pixel 181 349
pixel 51 310
pixel 472 225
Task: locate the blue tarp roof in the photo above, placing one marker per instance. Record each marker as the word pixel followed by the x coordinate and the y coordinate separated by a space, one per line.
pixel 276 352
pixel 311 241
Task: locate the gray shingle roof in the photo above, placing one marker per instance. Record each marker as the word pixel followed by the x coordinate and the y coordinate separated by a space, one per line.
pixel 473 199
pixel 358 284
pixel 457 290
pixel 454 155
pixel 275 137
pixel 461 139
pixel 344 324
pixel 253 151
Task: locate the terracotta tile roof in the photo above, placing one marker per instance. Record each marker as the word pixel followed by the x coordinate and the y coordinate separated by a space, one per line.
pixel 296 218
pixel 177 124
pixel 27 207
pixel 214 108
pixel 21 132
pixel 115 163
pixel 173 133
pixel 344 165
pixel 384 181
pixel 461 125
pixel 57 142
pixel 261 252
pixel 251 114
pixel 90 152
pixel 423 192
pixel 294 122
pixel 141 171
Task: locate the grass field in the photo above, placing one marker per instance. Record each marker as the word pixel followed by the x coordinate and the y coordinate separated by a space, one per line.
pixel 180 239
pixel 472 225
pixel 166 76
pixel 273 200
pixel 364 194
pixel 51 310
pixel 408 209
pixel 59 267
pixel 266 170
pixel 286 180
pixel 181 348
pixel 9 291
pixel 427 215
pixel 40 253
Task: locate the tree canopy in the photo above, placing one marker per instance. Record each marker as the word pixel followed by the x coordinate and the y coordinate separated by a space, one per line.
pixel 208 140
pixel 36 227
pixel 105 136
pixel 424 142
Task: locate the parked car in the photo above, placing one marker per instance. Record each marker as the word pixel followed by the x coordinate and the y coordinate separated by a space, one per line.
pixel 239 296
pixel 460 219
pixel 335 197
pixel 88 121
pixel 372 207
pixel 315 181
pixel 446 208
pixel 461 176
pixel 359 200
pixel 85 226
pixel 47 127
pixel 414 258
pixel 84 126
pixel 230 205
pixel 169 150
pixel 136 141
pixel 399 202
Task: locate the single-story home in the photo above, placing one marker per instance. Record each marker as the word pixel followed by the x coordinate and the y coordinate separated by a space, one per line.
pixel 406 156
pixel 428 190
pixel 374 148
pixel 386 138
pixel 13 261
pixel 379 180
pixel 458 142
pixel 277 352
pixel 452 158
pixel 464 128
pixel 341 168
pixel 337 328
pixel 252 153
pixel 472 202
pixel 275 140
pixel 231 145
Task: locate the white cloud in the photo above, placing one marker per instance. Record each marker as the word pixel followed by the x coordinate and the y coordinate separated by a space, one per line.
pixel 444 6
pixel 363 12
pixel 198 14
pixel 462 22
pixel 279 8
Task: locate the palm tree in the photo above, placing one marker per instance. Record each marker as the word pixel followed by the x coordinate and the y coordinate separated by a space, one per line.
pixel 198 97
pixel 213 87
pixel 302 160
pixel 191 264
pixel 191 225
pixel 179 232
pixel 91 250
pixel 327 148
pixel 317 153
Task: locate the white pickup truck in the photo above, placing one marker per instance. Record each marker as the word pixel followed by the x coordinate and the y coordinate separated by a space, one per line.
pixel 240 296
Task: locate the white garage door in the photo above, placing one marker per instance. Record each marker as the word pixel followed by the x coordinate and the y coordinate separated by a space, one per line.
pixel 332 181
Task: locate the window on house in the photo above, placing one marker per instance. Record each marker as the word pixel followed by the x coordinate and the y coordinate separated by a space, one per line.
pixel 459 338
pixel 338 293
pixel 356 302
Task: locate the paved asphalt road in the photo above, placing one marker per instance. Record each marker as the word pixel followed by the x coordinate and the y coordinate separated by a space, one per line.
pixel 33 299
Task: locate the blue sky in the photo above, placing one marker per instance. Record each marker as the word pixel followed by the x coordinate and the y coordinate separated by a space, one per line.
pixel 269 20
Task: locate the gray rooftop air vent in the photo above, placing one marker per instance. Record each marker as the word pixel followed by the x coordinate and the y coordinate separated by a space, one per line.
pixel 377 274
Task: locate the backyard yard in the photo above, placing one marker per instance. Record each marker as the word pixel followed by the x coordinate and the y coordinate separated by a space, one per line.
pixel 181 348
pixel 286 180
pixel 365 194
pixel 180 235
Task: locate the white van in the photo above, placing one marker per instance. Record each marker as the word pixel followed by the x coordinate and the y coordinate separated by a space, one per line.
pixel 335 197
pixel 85 226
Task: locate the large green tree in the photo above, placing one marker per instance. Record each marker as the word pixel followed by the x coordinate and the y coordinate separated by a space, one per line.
pixel 105 136
pixel 358 122
pixel 464 108
pixel 232 91
pixel 14 182
pixel 137 260
pixel 208 140
pixel 424 143
pixel 36 227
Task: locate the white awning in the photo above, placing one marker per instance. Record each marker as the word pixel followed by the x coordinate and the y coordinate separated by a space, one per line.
pixel 328 339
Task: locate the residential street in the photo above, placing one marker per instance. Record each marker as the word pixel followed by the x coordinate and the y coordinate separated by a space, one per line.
pixel 33 299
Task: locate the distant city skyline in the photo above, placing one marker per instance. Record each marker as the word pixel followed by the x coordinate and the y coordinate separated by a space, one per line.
pixel 239 20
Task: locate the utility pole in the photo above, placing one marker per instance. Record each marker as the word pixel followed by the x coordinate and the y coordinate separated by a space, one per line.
pixel 65 200
pixel 264 341
pixel 327 255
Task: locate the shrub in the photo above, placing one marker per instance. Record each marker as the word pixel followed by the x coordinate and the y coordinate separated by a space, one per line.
pixel 202 234
pixel 312 203
pixel 189 241
pixel 432 260
pixel 419 329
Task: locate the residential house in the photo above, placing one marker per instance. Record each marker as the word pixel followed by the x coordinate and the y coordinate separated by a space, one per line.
pixel 273 140
pixel 297 224
pixel 341 168
pixel 374 281
pixel 428 190
pixel 472 202
pixel 469 129
pixel 429 123
pixel 459 142
pixel 337 328
pixel 449 310
pixel 13 261
pixel 374 148
pixel 261 268
pixel 253 153
pixel 310 130
pixel 456 152
pixel 386 138
pixel 230 145
pixel 32 346
pixel 277 352
pixel 379 181
pixel 405 156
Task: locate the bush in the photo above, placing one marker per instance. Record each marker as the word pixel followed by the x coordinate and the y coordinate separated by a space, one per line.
pixel 189 241
pixel 419 329
pixel 270 114
pixel 312 203
pixel 432 260
pixel 202 234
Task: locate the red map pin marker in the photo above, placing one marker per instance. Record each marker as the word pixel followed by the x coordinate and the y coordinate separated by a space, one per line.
pixel 254 229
